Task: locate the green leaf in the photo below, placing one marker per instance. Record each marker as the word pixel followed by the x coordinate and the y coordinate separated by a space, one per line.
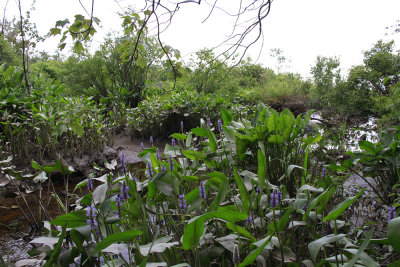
pixel 100 193
pixel 63 169
pixel 280 225
pixel 241 231
pixel 36 165
pixel 127 236
pixel 229 133
pixel 195 227
pixel 361 249
pixel 201 131
pixel 61 46
pixel 77 128
pixel 193 231
pixel 72 219
pixel 78 47
pixel 393 233
pixel 276 139
pixel 325 195
pixel 57 249
pixel 166 183
pixel 254 254
pixel 179 136
pixel 159 245
pixel 316 245
pixel 340 208
pixel 368 147
pixel 194 155
pixel 226 116
pixel 262 168
pixel 273 122
pixel 221 194
pixel 242 190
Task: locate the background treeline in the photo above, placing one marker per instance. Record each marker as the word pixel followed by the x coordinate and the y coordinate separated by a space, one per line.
pixel 148 88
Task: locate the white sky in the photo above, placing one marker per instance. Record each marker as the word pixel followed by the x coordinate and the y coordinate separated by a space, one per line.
pixel 302 29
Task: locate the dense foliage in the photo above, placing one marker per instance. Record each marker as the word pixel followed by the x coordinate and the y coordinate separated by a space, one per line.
pixel 245 179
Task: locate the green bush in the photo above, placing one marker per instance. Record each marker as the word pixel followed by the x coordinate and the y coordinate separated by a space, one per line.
pixel 45 123
pixel 161 115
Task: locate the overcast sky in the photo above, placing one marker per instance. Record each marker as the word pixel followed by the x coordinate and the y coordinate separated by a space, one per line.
pixel 303 29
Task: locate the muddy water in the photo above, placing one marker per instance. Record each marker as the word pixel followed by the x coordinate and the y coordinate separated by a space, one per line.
pixel 18 219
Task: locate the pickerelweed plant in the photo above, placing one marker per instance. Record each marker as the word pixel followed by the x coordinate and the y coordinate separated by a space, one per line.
pixel 45 124
pixel 204 201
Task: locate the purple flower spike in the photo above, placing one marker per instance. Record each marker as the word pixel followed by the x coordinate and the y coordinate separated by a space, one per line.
pixel 249 219
pixel 90 184
pixel 171 163
pixel 124 191
pixel 276 198
pixel 151 140
pixel 158 155
pixel 209 122
pixel 323 173
pixel 173 143
pixel 163 168
pixel 258 190
pixel 392 213
pixel 142 146
pixel 91 218
pixel 118 204
pixel 202 191
pixel 220 125
pixel 150 170
pixel 182 202
pixel 182 126
pixel 123 163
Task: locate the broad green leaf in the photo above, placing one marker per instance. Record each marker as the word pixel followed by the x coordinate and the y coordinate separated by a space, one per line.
pixel 241 231
pixel 276 139
pixel 229 133
pixel 325 195
pixel 340 208
pixel 316 245
pixel 193 231
pixel 100 193
pixel 63 169
pixel 280 225
pixel 195 227
pixel 57 249
pixel 253 255
pixel 212 141
pixel 36 166
pixel 368 147
pixel 201 131
pixel 393 233
pixel 221 194
pixel 194 155
pixel 364 245
pixel 127 236
pixel 310 188
pixel 179 136
pixel 286 125
pixel 262 168
pixel 273 122
pixel 77 129
pixel 72 219
pixel 159 245
pixel 226 116
pixel 242 190
pixel 165 183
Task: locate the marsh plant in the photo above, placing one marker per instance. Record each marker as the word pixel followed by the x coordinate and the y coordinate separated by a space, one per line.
pixel 210 198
